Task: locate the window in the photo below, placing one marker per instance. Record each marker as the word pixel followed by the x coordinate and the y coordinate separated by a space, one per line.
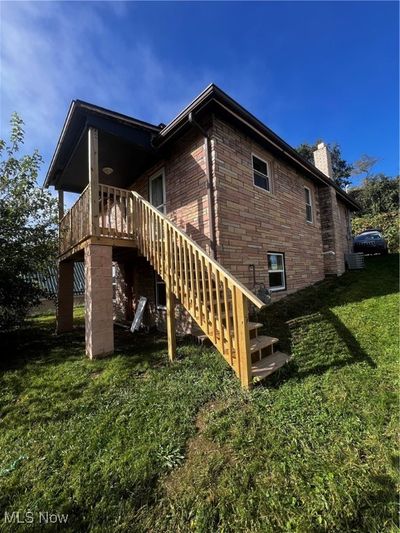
pixel 114 283
pixel 161 297
pixel 276 271
pixel 157 191
pixel 261 174
pixel 309 211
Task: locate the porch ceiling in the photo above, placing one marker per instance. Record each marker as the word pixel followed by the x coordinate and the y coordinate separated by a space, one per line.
pixel 127 160
pixel 125 145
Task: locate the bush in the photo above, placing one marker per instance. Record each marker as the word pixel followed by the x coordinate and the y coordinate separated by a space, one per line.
pixel 28 233
pixel 388 222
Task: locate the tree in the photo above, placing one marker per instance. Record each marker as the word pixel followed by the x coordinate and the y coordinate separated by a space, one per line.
pixel 377 194
pixel 364 165
pixel 341 168
pixel 28 231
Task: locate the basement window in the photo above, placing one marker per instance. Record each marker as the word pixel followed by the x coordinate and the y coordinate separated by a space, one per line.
pixel 114 283
pixel 261 174
pixel 161 298
pixel 276 271
pixel 309 209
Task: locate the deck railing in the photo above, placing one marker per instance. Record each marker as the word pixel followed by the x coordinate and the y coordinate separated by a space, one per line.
pixel 115 212
pixel 114 218
pixel 74 227
pixel 216 300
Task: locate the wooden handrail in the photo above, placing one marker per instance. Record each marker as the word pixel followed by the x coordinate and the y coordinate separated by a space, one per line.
pixel 74 226
pixel 213 297
pixel 216 300
pixel 74 204
pixel 249 295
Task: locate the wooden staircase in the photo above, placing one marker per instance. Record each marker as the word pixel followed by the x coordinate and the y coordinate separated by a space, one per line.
pixel 265 359
pixel 214 298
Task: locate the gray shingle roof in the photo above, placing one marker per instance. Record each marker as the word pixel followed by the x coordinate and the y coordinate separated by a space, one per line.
pixel 48 280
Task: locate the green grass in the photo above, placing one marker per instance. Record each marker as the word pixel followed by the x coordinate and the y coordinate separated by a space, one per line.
pixel 131 443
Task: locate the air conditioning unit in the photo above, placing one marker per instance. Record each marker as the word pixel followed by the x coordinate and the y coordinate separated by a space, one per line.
pixel 355 261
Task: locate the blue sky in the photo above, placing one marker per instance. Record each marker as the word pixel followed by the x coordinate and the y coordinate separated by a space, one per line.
pixel 308 70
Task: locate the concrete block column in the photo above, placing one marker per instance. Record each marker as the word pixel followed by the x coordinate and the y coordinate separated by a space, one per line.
pixel 65 300
pixel 99 333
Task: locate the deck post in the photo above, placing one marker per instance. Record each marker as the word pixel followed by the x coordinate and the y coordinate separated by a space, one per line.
pixel 60 216
pixel 93 158
pixel 60 205
pixel 65 299
pixel 171 324
pixel 99 331
pixel 170 297
pixel 243 340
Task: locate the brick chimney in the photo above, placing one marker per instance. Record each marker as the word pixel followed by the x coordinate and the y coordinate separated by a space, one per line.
pixel 322 160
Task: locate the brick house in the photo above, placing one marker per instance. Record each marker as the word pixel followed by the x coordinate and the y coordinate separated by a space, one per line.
pixel 194 216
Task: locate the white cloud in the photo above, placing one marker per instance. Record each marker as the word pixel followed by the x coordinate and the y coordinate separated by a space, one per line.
pixel 54 52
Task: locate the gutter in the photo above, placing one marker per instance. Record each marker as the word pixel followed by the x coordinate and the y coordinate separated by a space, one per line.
pixel 288 152
pixel 210 187
pixel 214 94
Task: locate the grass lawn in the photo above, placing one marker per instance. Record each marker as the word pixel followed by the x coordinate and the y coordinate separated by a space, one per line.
pixel 131 443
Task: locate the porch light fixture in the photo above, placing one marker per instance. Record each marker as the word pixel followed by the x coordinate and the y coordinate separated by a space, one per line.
pixel 107 170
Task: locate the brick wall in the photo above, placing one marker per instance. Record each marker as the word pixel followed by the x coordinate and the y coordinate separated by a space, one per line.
pixel 328 207
pixel 187 206
pixel 251 221
pixel 186 187
pixel 336 231
pixel 345 241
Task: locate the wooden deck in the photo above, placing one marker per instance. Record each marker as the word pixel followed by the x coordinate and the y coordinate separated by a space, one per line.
pixel 215 299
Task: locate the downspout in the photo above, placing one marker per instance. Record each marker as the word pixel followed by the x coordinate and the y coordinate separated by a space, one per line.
pixel 210 187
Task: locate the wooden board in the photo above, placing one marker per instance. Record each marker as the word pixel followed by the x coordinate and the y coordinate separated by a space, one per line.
pixel 139 314
pixel 269 365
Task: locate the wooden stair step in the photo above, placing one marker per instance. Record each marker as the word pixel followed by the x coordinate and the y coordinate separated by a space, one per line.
pixel 254 325
pixel 261 342
pixel 203 339
pixel 268 365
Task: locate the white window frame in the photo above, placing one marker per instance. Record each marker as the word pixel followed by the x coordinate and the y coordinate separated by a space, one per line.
pixel 114 282
pixel 282 271
pixel 310 205
pixel 267 176
pixel 154 176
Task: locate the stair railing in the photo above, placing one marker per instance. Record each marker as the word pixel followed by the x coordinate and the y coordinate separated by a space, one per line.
pixel 215 299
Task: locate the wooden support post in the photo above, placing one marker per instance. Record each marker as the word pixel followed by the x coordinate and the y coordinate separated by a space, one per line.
pixel 93 149
pixel 171 301
pixel 60 205
pixel 244 340
pixel 60 216
pixel 170 297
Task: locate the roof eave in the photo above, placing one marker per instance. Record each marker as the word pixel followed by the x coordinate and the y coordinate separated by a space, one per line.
pixel 59 142
pixel 99 111
pixel 214 93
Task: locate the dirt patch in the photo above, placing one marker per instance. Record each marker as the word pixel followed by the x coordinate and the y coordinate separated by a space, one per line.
pixel 203 455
